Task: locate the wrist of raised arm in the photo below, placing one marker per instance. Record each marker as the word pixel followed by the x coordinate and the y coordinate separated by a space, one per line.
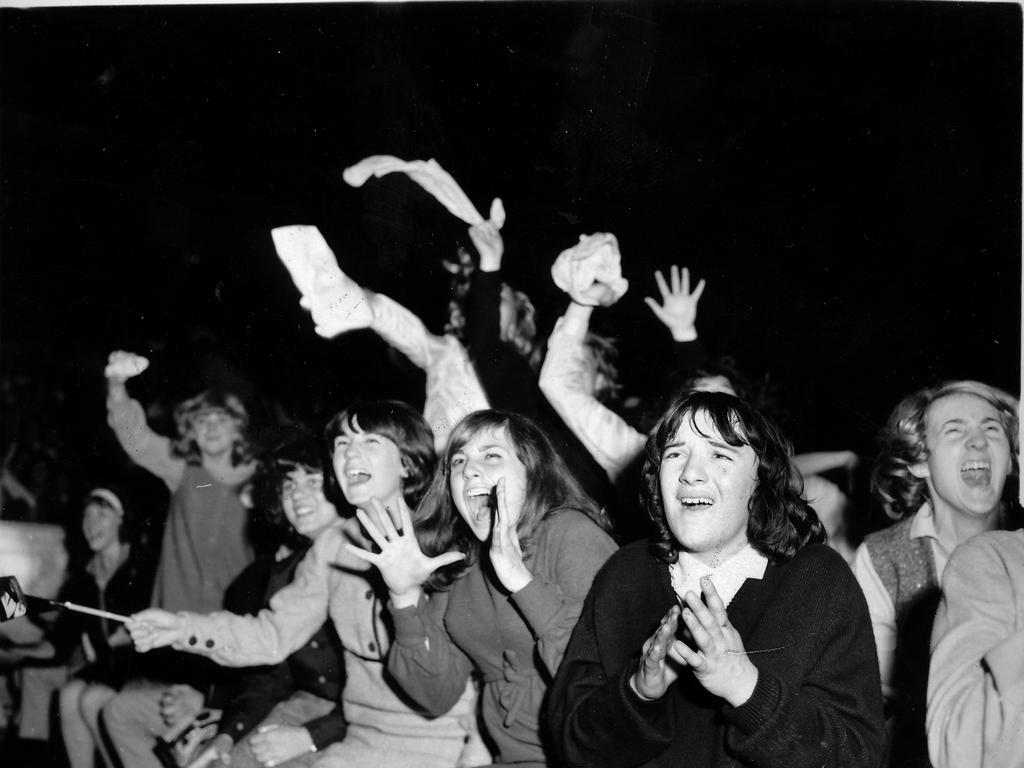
pixel 685 333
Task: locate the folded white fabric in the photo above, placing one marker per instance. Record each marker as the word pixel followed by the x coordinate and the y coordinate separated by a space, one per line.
pixel 336 302
pixel 594 259
pixel 432 177
pixel 124 365
pixel 687 573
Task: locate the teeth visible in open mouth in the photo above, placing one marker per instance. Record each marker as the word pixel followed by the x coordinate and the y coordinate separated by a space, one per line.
pixel 973 465
pixel 357 473
pixel 478 492
pixel 697 501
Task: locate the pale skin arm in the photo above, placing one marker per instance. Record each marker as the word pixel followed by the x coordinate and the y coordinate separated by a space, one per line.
pixel 678 307
pixel 718 662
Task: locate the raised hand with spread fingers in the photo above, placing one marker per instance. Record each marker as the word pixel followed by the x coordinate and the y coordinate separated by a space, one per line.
pixel 401 562
pixel 678 308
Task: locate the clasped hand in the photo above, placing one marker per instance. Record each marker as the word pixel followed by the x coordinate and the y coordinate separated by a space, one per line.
pixel 718 660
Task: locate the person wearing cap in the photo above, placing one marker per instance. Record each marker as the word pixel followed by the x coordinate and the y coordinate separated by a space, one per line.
pixel 118 577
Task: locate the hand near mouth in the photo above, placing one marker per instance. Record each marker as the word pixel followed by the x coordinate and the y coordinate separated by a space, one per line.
pixel 401 562
pixel 506 552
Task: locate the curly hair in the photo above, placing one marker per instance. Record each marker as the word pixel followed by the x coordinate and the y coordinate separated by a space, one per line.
pixel 399 423
pixel 903 444
pixel 780 521
pixel 522 334
pixel 186 413
pixel 550 488
pixel 303 452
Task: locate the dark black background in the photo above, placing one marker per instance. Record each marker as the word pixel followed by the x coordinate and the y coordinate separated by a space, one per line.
pixel 846 176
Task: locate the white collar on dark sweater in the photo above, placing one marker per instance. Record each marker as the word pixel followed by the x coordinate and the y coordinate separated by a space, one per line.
pixel 686 573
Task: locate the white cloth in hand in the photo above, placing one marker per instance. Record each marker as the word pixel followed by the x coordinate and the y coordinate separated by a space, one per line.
pixel 336 302
pixel 124 365
pixel 432 177
pixel 594 259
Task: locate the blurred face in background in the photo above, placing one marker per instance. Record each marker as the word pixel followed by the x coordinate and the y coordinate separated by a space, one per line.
pixel 215 432
pixel 101 524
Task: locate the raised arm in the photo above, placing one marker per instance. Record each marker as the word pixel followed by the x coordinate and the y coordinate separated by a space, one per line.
pixel 126 417
pixel 823 461
pixel 453 389
pixel 976 679
pixel 610 440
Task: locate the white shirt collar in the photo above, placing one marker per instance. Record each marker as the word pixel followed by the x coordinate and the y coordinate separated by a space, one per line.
pixel 686 573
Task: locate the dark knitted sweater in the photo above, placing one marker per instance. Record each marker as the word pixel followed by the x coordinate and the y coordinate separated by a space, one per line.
pixel 817 701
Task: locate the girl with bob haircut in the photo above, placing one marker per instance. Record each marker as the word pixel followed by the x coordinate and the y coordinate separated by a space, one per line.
pixel 948 454
pixel 372 471
pixel 735 636
pixel 530 543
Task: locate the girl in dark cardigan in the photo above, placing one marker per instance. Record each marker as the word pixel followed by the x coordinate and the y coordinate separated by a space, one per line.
pixel 735 637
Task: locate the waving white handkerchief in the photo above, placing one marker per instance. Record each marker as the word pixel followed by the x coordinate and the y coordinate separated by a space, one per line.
pixel 432 177
pixel 124 365
pixel 336 302
pixel 594 259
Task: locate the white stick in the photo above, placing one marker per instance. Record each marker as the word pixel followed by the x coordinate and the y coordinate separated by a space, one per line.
pixel 91 611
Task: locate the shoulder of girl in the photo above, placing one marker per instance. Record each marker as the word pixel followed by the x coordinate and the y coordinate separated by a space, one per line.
pixel 569 521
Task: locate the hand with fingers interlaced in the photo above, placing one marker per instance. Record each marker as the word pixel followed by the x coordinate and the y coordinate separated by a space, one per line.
pixel 678 308
pixel 401 562
pixel 718 660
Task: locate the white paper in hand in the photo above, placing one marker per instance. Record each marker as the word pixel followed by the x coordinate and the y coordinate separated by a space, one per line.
pixel 336 302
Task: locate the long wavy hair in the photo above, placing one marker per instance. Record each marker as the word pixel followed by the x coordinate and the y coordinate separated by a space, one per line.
pixel 903 444
pixel 186 413
pixel 780 521
pixel 403 426
pixel 550 488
